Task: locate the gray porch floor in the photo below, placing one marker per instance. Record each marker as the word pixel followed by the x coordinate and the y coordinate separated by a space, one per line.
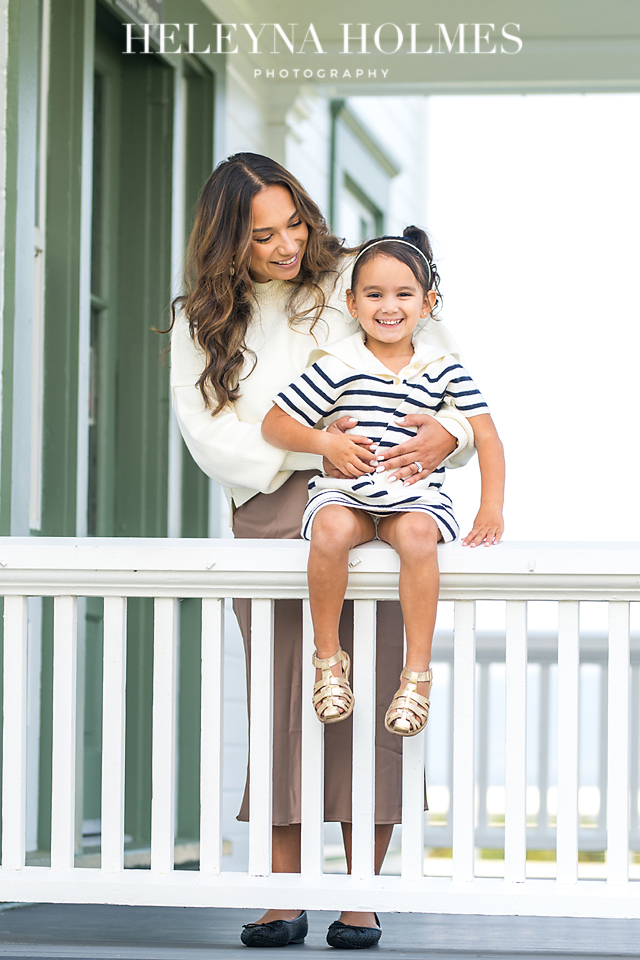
pixel 172 933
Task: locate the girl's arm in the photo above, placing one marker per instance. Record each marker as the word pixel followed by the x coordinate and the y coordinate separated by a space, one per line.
pixel 488 525
pixel 281 430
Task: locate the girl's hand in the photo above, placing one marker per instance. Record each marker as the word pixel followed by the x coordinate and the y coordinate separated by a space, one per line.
pixel 488 528
pixel 345 453
pixel 431 445
pixel 364 449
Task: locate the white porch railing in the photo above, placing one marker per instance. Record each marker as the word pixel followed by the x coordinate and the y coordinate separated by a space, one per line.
pixel 542 719
pixel 264 571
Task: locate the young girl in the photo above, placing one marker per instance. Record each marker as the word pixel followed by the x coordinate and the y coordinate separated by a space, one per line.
pixel 378 376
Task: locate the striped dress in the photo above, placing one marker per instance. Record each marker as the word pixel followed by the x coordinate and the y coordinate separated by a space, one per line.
pixel 347 380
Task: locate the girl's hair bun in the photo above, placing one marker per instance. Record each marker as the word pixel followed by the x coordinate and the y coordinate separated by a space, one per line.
pixel 419 238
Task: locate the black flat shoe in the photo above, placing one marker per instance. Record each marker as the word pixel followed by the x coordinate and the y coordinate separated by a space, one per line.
pixel 345 937
pixel 276 933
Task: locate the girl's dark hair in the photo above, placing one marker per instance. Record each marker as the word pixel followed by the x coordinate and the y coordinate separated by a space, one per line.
pixel 402 251
pixel 218 299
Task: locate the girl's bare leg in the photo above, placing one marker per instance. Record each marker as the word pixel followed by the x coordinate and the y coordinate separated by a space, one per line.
pixel 336 530
pixel 414 537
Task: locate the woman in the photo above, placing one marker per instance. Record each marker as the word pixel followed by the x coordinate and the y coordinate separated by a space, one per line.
pixel 266 284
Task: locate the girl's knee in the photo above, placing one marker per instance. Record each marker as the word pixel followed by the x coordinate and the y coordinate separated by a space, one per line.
pixel 333 526
pixel 417 534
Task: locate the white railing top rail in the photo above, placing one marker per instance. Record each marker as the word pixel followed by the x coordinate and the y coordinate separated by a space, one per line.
pixel 56 566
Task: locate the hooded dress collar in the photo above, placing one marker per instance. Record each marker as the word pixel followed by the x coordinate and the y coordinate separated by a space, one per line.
pixel 431 342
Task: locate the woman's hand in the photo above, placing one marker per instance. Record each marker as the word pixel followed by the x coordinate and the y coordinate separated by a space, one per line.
pixel 431 445
pixel 365 448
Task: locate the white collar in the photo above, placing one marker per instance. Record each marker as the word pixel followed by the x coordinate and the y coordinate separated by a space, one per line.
pixel 431 342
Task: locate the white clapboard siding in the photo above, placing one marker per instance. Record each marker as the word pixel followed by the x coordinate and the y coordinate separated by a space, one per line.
pixel 211 736
pixel 261 738
pixel 113 732
pixel 163 742
pixel 14 733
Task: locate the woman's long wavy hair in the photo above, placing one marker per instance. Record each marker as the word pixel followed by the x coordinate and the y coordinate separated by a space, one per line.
pixel 218 299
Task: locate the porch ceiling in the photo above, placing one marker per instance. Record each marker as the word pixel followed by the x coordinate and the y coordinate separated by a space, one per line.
pixel 567 46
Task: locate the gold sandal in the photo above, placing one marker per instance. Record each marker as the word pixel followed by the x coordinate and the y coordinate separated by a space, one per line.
pixel 409 710
pixel 333 698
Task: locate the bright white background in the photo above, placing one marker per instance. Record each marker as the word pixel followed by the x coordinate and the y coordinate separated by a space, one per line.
pixel 534 208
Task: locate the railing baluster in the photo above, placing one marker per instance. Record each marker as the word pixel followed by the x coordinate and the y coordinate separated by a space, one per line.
pixel 14 737
pixel 543 751
pixel 312 849
pixel 450 713
pixel 482 759
pixel 261 738
pixel 413 750
pixel 634 772
pixel 163 745
pixel 413 807
pixel 603 752
pixel 568 725
pixel 515 812
pixel 63 759
pixel 618 745
pixel 211 736
pixel 113 732
pixel 464 679
pixel 364 720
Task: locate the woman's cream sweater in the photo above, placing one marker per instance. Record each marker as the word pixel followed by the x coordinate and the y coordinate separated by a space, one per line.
pixel 229 447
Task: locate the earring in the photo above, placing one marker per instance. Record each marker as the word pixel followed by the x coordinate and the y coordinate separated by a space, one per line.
pixel 233 268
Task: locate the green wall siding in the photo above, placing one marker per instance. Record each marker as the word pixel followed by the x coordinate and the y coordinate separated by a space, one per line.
pixel 62 269
pixel 195 486
pixel 21 122
pixel 129 389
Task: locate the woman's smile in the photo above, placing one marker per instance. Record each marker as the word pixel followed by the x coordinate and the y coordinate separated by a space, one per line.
pixel 286 263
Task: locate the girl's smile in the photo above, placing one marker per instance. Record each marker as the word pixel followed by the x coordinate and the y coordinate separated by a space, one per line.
pixel 389 303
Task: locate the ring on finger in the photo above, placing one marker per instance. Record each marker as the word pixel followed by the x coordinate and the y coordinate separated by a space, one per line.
pixel 417 465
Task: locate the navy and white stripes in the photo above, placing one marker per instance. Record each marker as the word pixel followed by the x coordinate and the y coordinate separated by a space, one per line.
pixel 334 387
